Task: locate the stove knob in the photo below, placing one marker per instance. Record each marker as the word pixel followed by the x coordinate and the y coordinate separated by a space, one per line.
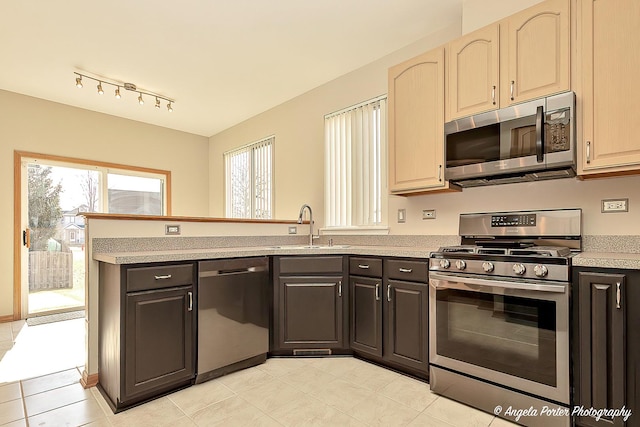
pixel 487 267
pixel 519 269
pixel 444 263
pixel 461 265
pixel 540 270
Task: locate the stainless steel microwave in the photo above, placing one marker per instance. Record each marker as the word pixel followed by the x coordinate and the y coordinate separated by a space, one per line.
pixel 531 141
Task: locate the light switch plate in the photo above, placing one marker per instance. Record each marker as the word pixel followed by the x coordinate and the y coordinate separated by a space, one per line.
pixel 615 205
pixel 172 230
pixel 402 215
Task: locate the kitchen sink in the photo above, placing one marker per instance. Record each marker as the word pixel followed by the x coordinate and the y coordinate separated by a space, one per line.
pixel 310 247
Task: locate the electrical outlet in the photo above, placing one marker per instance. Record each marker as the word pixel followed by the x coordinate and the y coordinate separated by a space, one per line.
pixel 615 205
pixel 402 215
pixel 171 230
pixel 429 214
pixel 293 230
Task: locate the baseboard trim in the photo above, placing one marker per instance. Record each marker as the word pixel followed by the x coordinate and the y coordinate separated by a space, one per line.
pixel 88 381
pixel 5 319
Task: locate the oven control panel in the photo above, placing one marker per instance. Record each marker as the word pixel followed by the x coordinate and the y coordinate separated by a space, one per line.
pixel 520 220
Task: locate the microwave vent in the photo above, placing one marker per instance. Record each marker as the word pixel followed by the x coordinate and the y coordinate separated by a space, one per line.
pixel 514 178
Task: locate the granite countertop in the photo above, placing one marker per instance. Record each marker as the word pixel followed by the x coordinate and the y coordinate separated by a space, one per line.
pixel 607 260
pixel 138 257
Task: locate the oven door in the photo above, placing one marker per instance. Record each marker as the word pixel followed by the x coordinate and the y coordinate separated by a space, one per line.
pixel 512 333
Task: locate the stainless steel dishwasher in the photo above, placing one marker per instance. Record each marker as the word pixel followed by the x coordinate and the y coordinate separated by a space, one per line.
pixel 233 316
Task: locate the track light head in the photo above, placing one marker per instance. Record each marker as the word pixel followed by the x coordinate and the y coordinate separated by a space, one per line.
pixel 79 82
pixel 100 91
pixel 157 102
pixel 169 107
pixel 117 92
pixel 140 100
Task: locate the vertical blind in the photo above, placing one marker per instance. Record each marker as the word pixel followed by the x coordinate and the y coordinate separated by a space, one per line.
pixel 355 174
pixel 249 180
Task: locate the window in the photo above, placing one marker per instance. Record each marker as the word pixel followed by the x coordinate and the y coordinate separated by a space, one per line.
pixel 355 169
pixel 249 180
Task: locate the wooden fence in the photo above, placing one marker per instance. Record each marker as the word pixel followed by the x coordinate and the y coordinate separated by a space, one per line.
pixel 50 270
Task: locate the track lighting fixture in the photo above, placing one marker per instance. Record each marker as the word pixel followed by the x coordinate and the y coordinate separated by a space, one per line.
pixel 128 86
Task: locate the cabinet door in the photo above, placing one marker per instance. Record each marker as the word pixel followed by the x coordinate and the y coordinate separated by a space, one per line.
pixel 310 312
pixel 416 124
pixel 407 325
pixel 366 315
pixel 537 52
pixel 601 340
pixel 609 64
pixel 159 340
pixel 473 70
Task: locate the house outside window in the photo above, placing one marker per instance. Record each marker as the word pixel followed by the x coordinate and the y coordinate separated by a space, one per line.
pixel 355 166
pixel 249 180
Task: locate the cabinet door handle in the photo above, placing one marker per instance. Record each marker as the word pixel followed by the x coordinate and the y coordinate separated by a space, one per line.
pixel 190 294
pixel 493 95
pixel 363 266
pixel 405 270
pixel 165 277
pixel 618 295
pixel 588 152
pixel 340 288
pixel 26 238
pixel 377 291
pixel 389 293
pixel 513 83
pixel 440 173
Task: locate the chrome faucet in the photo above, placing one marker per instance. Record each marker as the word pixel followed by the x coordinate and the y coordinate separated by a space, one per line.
pixel 305 206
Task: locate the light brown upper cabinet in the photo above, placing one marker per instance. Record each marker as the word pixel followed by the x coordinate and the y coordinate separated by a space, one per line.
pixel 608 60
pixel 535 52
pixel 416 124
pixel 473 71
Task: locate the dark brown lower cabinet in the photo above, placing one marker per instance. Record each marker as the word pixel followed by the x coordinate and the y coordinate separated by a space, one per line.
pixel 146 343
pixel 310 305
pixel 606 344
pixel 389 317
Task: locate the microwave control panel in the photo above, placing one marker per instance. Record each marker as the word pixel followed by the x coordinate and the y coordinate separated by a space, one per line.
pixel 557 130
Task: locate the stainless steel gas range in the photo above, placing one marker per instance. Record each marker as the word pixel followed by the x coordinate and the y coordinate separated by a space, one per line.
pixel 499 313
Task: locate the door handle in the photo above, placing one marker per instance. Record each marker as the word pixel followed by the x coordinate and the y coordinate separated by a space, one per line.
pixel 539 134
pixel 588 152
pixel 340 288
pixel 493 95
pixel 618 295
pixel 513 83
pixel 190 294
pixel 440 173
pixel 26 238
pixel 377 291
pixel 389 293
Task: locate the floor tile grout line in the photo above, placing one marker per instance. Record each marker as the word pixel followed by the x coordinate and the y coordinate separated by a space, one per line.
pixel 24 405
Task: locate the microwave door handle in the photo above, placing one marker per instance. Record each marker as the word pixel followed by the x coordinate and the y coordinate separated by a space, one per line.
pixel 540 134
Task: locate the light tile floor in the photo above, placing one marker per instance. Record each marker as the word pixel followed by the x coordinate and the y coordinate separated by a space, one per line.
pixel 338 391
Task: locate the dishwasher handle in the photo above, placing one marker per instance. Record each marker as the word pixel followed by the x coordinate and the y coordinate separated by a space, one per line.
pixel 234 271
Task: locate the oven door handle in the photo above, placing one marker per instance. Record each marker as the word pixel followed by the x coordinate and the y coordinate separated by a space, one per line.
pixel 540 134
pixel 444 281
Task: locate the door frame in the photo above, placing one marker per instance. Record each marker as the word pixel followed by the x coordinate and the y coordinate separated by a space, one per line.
pixel 18 157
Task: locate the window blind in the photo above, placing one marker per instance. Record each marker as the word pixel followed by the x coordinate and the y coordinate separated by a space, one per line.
pixel 249 180
pixel 355 174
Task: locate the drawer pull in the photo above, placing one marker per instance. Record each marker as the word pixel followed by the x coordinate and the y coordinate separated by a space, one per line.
pixel 165 277
pixel 405 270
pixel 363 266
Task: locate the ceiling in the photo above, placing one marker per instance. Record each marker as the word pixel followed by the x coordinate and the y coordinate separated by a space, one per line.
pixel 222 61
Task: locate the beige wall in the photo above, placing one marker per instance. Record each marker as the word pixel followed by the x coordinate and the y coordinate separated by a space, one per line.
pixel 299 129
pixel 36 125
pixel 478 13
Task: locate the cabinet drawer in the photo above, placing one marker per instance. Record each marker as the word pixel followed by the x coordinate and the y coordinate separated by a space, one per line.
pixel 369 267
pixel 160 276
pixel 310 264
pixel 412 271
